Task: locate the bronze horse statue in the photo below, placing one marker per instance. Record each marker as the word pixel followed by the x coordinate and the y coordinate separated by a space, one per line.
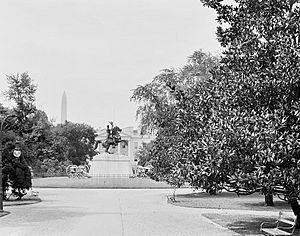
pixel 113 138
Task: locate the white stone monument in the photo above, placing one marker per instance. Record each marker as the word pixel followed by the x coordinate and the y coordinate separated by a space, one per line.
pixel 110 165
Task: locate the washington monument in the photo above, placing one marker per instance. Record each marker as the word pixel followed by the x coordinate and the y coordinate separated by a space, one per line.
pixel 64 108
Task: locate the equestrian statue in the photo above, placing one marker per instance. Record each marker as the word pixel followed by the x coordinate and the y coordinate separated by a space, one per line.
pixel 113 137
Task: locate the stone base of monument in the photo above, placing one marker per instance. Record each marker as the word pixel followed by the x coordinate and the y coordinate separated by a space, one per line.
pixel 110 165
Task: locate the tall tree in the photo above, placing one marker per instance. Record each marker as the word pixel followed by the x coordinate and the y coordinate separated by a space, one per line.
pixel 18 126
pixel 180 110
pixel 21 91
pixel 156 102
pixel 260 74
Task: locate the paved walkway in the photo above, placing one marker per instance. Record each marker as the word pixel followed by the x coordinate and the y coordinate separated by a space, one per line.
pixel 106 212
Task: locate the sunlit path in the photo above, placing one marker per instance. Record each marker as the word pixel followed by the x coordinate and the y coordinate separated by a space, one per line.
pixel 106 212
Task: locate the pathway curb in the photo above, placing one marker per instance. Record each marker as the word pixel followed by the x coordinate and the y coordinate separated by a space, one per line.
pixel 21 202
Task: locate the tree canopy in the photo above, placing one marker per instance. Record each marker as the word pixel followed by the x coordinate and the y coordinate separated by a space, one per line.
pixel 237 127
pixel 178 113
pixel 45 147
pixel 260 72
pixel 80 140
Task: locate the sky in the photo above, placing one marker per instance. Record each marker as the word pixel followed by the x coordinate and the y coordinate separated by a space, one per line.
pixel 98 51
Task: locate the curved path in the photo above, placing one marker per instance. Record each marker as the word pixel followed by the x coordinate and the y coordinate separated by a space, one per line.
pixel 105 212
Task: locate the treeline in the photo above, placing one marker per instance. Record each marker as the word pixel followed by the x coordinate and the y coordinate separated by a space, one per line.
pixel 232 122
pixel 45 147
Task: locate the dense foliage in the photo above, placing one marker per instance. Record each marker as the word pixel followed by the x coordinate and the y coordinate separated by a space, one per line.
pixel 260 73
pixel 15 174
pixel 177 115
pixel 144 155
pixel 238 127
pixel 80 141
pixel 47 148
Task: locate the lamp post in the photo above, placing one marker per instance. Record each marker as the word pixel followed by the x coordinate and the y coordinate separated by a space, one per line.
pixel 1 139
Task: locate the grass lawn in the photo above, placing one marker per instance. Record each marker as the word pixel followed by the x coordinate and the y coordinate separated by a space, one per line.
pixel 14 202
pixel 237 221
pixel 3 213
pixel 97 182
pixel 241 224
pixel 226 200
pixel 23 201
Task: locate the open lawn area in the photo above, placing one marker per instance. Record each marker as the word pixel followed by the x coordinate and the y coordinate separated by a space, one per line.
pixel 241 223
pixel 242 215
pixel 226 200
pixel 97 182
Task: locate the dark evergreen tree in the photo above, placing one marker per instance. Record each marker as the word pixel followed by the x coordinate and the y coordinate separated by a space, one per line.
pixel 16 172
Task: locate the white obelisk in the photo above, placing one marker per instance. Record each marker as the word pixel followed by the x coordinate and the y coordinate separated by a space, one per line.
pixel 64 108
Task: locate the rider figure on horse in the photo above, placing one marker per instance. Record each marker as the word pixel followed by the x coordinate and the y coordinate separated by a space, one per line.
pixel 109 131
pixel 112 136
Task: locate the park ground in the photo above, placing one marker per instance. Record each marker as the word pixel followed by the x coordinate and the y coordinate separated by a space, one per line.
pixel 242 215
pixel 227 212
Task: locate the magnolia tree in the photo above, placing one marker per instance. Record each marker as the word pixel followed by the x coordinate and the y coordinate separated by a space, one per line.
pixel 259 74
pixel 238 127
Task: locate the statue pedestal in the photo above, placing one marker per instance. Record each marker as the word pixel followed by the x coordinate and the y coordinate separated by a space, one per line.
pixel 110 165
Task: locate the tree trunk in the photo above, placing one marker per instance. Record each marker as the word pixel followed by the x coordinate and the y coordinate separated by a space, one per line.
pixel 174 194
pixel 212 191
pixel 269 199
pixel 296 209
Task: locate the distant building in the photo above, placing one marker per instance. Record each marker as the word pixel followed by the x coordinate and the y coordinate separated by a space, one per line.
pixel 133 137
pixel 64 108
